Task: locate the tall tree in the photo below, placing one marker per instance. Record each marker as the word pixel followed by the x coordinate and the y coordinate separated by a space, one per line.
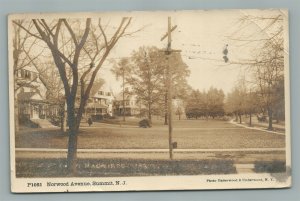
pixel 206 104
pixel 180 88
pixel 122 70
pixel 145 76
pixel 269 76
pixel 265 34
pixel 76 37
pixel 236 101
pixel 215 102
pixel 242 100
pixel 196 105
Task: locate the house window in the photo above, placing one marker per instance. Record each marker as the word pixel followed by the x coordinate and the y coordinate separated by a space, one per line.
pixel 100 92
pixel 108 94
pixel 23 73
pixel 19 73
pixel 27 75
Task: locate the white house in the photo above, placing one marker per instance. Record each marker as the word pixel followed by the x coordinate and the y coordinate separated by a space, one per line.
pixel 30 92
pixel 100 103
pixel 131 106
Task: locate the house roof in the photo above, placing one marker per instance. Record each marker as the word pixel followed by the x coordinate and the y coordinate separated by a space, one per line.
pixel 29 96
pixel 31 68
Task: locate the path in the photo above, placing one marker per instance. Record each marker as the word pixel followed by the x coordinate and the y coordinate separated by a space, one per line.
pixel 258 128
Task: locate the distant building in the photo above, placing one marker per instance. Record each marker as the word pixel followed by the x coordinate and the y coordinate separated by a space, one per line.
pixel 101 103
pixel 30 93
pixel 178 108
pixel 132 106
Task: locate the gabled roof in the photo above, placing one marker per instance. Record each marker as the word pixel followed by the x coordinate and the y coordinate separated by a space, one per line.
pixel 28 96
pixel 31 68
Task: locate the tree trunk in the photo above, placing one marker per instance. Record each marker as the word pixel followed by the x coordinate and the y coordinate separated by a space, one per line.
pixel 270 114
pixel 72 144
pixel 149 113
pixel 250 119
pixel 240 117
pixel 72 150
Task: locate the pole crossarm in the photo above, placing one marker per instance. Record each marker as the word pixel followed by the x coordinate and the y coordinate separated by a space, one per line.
pixel 166 34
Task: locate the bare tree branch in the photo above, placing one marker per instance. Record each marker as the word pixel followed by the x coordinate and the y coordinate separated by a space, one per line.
pixel 47 27
pixel 71 32
pixel 103 33
pixel 32 34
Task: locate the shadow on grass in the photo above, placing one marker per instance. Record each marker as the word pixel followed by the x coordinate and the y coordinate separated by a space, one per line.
pixel 122 167
pixel 269 166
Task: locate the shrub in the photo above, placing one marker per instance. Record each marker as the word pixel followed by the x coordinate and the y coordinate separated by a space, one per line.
pixel 269 166
pixel 145 123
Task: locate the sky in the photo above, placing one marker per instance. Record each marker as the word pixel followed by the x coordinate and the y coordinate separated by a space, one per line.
pixel 201 37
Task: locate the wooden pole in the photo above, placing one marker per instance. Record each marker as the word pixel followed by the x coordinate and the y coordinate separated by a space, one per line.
pixel 169 80
pixel 169 89
pixel 123 71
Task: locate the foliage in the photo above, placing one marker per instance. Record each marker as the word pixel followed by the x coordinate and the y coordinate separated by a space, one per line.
pixel 269 166
pixel 145 123
pixel 146 74
pixel 205 104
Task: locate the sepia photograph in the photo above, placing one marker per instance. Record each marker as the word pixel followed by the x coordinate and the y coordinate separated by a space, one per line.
pixel 149 100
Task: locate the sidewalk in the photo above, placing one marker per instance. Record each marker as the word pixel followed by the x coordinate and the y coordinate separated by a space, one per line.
pixel 261 127
pixel 239 156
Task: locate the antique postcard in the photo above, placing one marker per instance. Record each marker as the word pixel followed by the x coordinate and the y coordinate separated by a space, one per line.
pixel 149 100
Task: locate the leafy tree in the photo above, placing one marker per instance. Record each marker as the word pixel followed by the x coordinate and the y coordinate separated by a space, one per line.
pixel 206 104
pixel 215 102
pixel 251 104
pixel 180 88
pixel 235 103
pixel 122 70
pixel 196 105
pixel 145 77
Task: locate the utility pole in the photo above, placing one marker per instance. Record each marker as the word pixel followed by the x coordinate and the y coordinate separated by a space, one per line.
pixel 168 52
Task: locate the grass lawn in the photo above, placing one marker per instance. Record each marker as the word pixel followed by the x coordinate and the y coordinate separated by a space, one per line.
pixel 189 134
